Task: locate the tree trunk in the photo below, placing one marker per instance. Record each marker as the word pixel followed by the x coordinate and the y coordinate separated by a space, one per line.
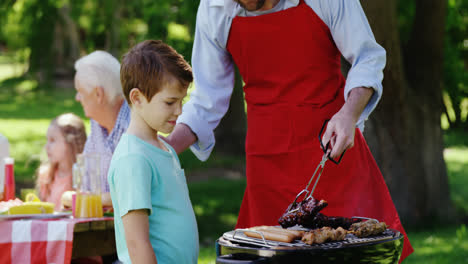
pixel 114 23
pixel 425 67
pixel 44 16
pixel 65 48
pixel 404 132
pixel 230 134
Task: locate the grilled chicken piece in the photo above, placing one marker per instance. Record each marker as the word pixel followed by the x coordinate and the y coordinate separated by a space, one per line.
pixel 324 234
pixel 368 228
pixel 340 234
pixel 303 212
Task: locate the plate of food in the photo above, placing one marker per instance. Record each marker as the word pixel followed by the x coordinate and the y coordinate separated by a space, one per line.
pixel 53 215
pixel 32 207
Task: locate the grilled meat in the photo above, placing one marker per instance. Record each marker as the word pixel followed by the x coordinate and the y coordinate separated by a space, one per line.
pixel 301 213
pixel 324 234
pixel 322 220
pixel 290 217
pixel 367 228
pixel 310 208
pixel 306 213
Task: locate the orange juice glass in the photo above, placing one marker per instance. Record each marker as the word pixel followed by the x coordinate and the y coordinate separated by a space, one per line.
pixel 88 196
pixel 88 205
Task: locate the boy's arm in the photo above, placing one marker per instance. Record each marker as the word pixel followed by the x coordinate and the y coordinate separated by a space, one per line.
pixel 136 228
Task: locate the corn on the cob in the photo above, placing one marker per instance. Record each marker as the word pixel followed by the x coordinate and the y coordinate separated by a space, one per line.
pixel 32 208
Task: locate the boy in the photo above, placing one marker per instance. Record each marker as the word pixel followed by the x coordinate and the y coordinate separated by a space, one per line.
pixel 154 218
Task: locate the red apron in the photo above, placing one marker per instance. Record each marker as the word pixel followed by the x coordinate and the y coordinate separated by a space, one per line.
pixel 293 82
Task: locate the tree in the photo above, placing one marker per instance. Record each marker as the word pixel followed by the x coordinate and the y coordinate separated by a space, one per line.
pixel 404 133
pixel 40 18
pixel 66 45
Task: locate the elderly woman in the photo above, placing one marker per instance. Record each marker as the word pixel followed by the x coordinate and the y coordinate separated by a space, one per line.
pixel 97 83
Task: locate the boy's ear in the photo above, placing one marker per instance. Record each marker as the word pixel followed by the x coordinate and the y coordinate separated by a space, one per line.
pixel 136 97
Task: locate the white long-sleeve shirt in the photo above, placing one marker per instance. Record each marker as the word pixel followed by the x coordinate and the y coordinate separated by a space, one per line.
pixel 214 70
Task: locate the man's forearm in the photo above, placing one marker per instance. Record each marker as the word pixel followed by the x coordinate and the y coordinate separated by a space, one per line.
pixel 358 99
pixel 341 128
pixel 181 138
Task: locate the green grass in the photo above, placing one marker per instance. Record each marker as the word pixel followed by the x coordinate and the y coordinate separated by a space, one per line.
pixel 207 255
pixel 457 167
pixel 443 245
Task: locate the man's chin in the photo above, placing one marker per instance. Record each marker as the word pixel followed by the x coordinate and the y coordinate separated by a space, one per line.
pixel 253 6
pixel 88 115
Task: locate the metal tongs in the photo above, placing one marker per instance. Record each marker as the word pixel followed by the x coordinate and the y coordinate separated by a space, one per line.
pixel 321 166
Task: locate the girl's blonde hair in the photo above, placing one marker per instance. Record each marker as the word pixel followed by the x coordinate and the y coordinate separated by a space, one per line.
pixel 73 130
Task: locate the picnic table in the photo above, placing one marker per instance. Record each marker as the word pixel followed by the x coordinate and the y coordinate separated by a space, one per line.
pixel 55 240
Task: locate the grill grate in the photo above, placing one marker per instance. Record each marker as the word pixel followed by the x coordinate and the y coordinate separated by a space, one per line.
pixel 238 236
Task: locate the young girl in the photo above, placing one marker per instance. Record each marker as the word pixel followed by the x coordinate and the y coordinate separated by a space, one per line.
pixel 66 137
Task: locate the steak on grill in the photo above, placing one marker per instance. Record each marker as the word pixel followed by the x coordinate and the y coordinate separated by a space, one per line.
pixel 306 214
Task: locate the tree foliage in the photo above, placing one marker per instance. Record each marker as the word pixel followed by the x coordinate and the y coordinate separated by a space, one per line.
pixel 31 27
pixel 455 70
pixel 456 62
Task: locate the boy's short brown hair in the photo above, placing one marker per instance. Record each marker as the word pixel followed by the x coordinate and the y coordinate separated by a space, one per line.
pixel 149 64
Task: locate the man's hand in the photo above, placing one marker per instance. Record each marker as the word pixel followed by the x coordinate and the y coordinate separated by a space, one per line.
pixel 342 126
pixel 181 138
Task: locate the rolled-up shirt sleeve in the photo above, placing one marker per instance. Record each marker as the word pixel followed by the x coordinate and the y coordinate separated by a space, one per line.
pixel 213 77
pixel 354 38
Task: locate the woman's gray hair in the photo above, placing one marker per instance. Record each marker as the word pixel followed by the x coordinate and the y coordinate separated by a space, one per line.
pixel 100 68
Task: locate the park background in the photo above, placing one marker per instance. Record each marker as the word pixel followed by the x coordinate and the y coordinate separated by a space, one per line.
pixel 418 132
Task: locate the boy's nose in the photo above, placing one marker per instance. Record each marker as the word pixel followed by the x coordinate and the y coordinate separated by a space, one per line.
pixel 178 111
pixel 77 97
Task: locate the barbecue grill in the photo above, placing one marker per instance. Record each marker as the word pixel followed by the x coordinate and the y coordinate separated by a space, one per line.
pixel 234 247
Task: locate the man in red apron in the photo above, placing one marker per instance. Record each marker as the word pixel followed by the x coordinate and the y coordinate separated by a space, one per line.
pixel 288 53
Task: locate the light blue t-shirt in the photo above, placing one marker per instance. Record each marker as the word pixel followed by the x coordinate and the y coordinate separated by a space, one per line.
pixel 142 176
